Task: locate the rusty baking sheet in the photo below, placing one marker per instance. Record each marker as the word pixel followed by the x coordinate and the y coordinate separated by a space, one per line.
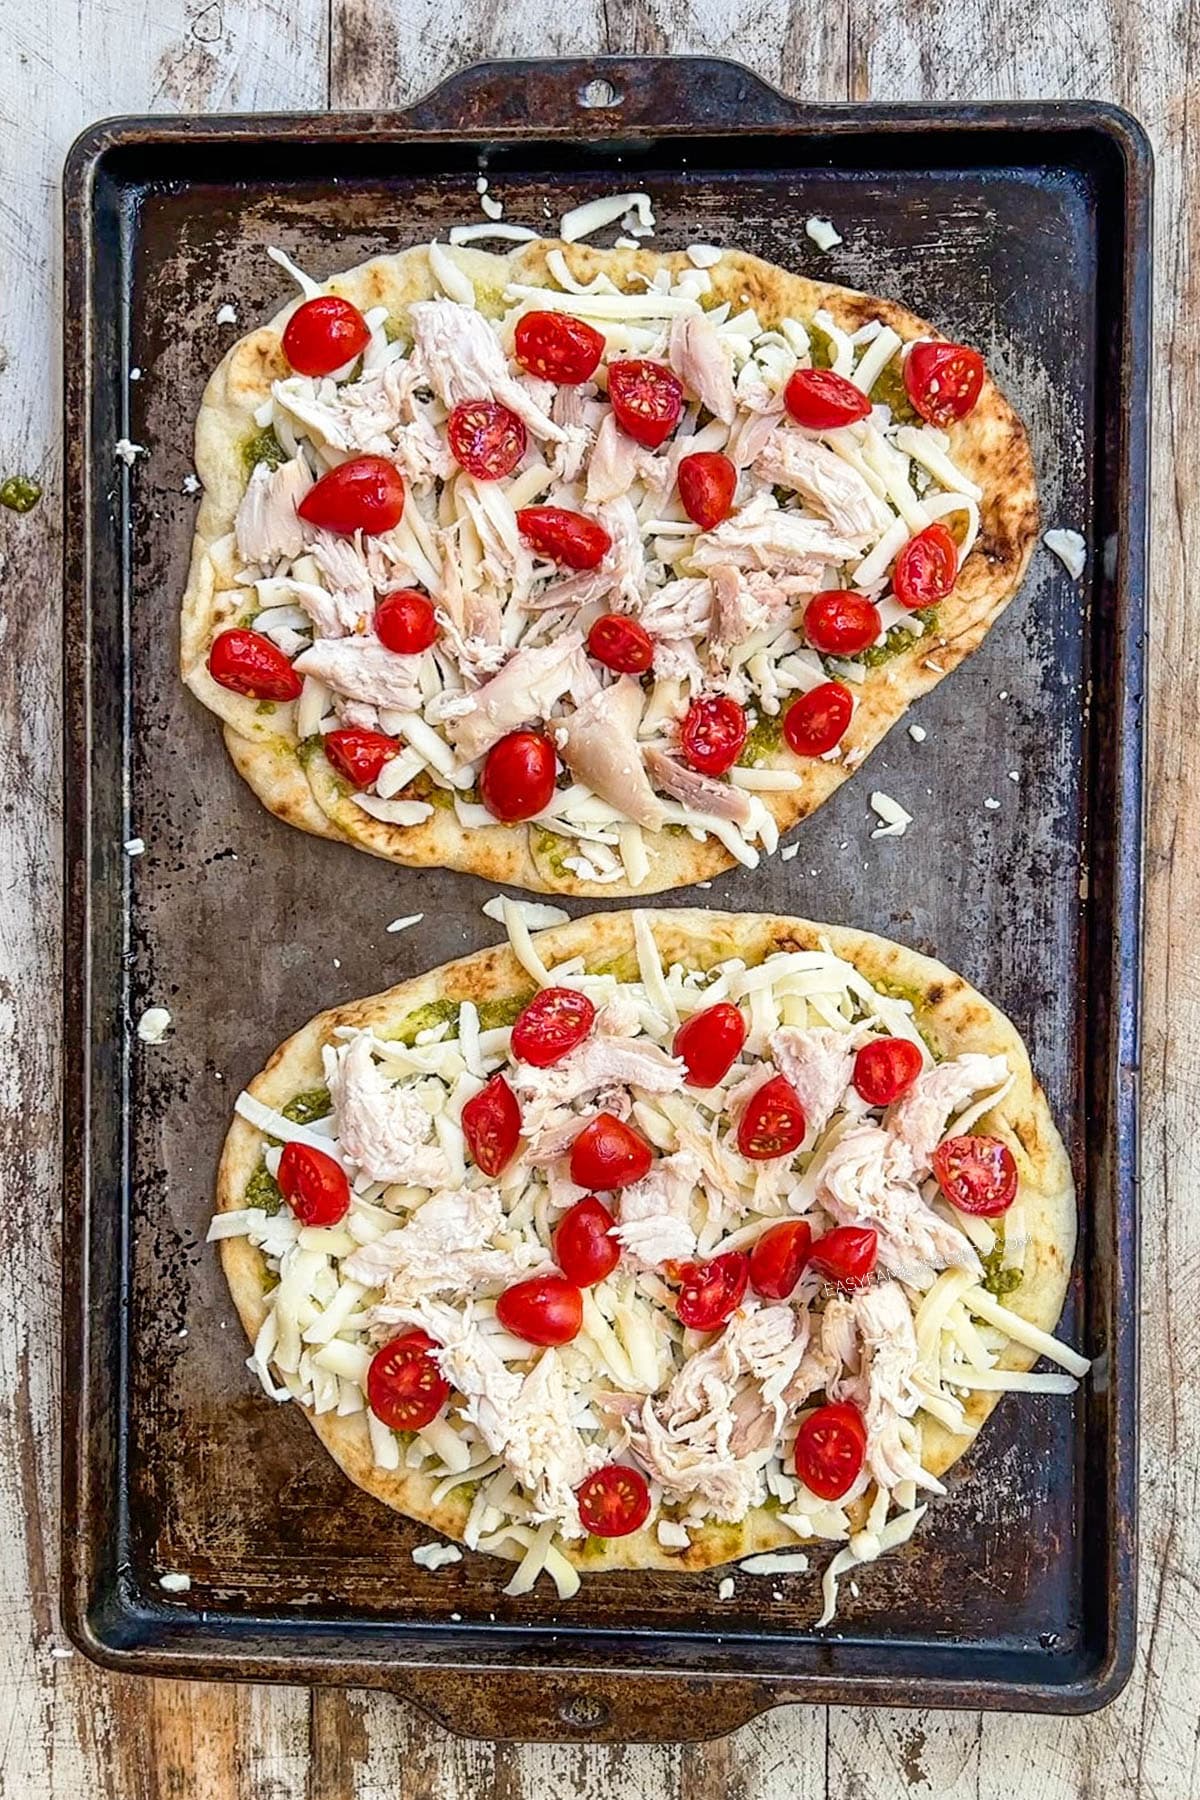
pixel 1025 230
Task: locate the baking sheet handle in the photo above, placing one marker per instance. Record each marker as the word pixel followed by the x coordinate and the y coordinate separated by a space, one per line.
pixel 603 96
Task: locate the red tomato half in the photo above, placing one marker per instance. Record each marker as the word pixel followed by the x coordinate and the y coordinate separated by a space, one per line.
pixel 518 776
pixel 709 1041
pixel 831 1447
pixel 943 381
pixel 364 494
pixel 406 622
pixel 491 1122
pixel 554 1023
pixel 614 1501
pixel 817 721
pixel 886 1068
pixel 846 1254
pixel 583 1248
pixel 821 401
pixel 778 1257
pixel 773 1123
pixel 248 663
pixel 608 1154
pixel 324 334
pixel 314 1186
pixel 558 347
pixel 568 537
pixel 405 1387
pixel 486 439
pixel 926 569
pixel 976 1174
pixel 840 622
pixel 544 1310
pixel 359 756
pixel 709 1291
pixel 706 487
pixel 712 734
pixel 647 398
pixel 621 644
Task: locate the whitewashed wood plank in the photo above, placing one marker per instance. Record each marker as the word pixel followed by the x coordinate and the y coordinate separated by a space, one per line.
pixel 65 1728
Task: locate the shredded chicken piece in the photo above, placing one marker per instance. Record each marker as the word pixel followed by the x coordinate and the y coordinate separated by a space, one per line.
pixel 762 536
pixel 701 362
pixel 740 608
pixel 268 527
pixel 703 793
pixel 792 458
pixel 383 1130
pixel 819 1063
pixel 525 690
pixel 655 1226
pixel 362 669
pixel 867 1179
pixel 618 578
pixel 601 1061
pixel 599 745
pixel 885 1392
pixel 460 354
pixel 918 1119
pixel 343 563
pixel 442 1248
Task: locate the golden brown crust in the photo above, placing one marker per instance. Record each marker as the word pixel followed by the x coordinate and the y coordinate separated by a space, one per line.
pixel 951 1014
pixel 990 446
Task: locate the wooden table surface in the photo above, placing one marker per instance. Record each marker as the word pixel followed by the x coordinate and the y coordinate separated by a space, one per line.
pixel 71 1732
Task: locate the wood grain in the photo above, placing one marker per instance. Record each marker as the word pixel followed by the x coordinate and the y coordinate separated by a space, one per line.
pixel 66 1729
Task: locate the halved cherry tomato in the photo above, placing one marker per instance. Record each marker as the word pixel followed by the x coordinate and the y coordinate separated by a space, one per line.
pixel 405 1387
pixel 778 1257
pixel 943 381
pixel 569 537
pixel 821 401
pixel 840 622
pixel 709 1291
pixel 248 663
pixel 885 1068
pixel 712 734
pixel 324 334
pixel 406 622
pixel 364 494
pixel 647 398
pixel 314 1186
pixel 926 569
pixel 831 1447
pixel 976 1174
pixel 773 1123
pixel 817 721
pixel 554 1023
pixel 583 1248
pixel 608 1154
pixel 518 776
pixel 360 755
pixel 486 439
pixel 544 1310
pixel 621 644
pixel 846 1254
pixel 558 347
pixel 706 486
pixel 709 1041
pixel 614 1501
pixel 491 1122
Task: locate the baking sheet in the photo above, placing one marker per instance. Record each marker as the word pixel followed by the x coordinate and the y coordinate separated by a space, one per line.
pixel 1023 235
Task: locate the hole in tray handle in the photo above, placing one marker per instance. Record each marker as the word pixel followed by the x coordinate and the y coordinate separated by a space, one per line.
pixel 596 94
pixel 584 1712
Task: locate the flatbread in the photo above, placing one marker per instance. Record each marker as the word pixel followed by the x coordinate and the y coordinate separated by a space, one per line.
pixel 952 1017
pixel 990 446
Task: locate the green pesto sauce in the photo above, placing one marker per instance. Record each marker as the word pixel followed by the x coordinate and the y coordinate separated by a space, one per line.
pixel 552 849
pixel 421 787
pixel 395 333
pixel 495 1015
pixel 309 747
pixel 262 1189
pixel 265 707
pixel 263 447
pixel 270 1281
pixel 897 641
pixel 622 968
pixel 20 493
pixel 818 346
pixel 997 1279
pixel 313 1103
pixel 425 1018
pixel 246 622
pixel 889 390
pixel 764 740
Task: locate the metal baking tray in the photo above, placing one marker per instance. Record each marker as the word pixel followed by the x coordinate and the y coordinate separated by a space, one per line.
pixel 1024 229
